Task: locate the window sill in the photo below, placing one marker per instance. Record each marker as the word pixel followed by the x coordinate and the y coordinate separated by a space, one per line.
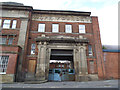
pixel 10 28
pixel 2 73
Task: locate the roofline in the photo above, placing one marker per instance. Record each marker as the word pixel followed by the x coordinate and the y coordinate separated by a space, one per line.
pixel 37 11
pixel 17 7
pixel 62 12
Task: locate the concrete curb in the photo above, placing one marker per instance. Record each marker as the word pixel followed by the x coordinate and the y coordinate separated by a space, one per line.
pixel 35 82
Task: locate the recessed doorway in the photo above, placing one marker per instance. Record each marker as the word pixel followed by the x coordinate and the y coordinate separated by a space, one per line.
pixel 61 65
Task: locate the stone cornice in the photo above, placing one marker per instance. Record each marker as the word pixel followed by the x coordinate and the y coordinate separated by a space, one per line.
pixel 62 39
pixel 3 45
pixel 62 12
pixel 9 52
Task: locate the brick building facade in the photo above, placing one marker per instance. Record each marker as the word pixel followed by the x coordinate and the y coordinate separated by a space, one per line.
pixel 31 38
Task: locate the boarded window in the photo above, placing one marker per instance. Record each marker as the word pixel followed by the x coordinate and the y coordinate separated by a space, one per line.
pixel 31 67
pixel 91 66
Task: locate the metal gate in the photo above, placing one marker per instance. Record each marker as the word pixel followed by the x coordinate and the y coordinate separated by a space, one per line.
pixel 61 75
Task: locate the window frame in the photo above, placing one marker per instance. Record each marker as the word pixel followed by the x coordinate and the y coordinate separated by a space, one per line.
pixel 82 29
pixel 2 39
pixel 14 27
pixel 33 48
pixel 68 30
pixel 5 64
pixel 7 23
pixel 10 43
pixel 90 52
pixel 55 28
pixel 41 27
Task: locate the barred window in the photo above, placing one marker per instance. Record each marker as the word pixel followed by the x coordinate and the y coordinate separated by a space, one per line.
pixel 33 49
pixel 6 23
pixel 3 64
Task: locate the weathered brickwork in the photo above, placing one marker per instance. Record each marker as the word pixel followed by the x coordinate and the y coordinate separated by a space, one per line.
pixel 13 52
pixel 111 65
pixel 24 66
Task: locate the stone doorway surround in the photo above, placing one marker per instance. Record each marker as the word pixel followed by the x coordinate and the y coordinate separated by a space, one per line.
pixel 77 44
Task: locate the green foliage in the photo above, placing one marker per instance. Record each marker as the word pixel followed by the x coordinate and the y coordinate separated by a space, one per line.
pixel 103 47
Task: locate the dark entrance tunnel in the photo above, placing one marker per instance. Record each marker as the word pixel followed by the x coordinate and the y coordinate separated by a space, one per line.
pixel 61 54
pixel 62 65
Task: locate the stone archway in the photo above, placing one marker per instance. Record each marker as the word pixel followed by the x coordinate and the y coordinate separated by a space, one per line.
pixel 78 46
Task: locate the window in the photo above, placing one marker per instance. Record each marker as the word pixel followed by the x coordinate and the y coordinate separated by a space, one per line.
pixel 55 28
pixel 33 49
pixel 2 40
pixel 90 49
pixel 59 66
pixel 0 22
pixel 68 28
pixel 81 28
pixel 57 71
pixel 3 64
pixel 10 41
pixel 50 71
pixel 14 24
pixel 6 24
pixel 71 71
pixel 41 27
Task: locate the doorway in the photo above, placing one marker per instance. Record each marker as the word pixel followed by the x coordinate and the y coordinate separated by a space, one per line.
pixel 61 65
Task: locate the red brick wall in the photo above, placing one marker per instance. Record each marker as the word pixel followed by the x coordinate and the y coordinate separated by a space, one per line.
pixel 98 48
pixel 48 28
pixel 111 64
pixel 9 48
pixel 75 28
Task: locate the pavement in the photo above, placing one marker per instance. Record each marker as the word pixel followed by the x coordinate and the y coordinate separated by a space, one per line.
pixel 70 84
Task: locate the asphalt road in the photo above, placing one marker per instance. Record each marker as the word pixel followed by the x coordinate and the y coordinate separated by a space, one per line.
pixel 90 84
